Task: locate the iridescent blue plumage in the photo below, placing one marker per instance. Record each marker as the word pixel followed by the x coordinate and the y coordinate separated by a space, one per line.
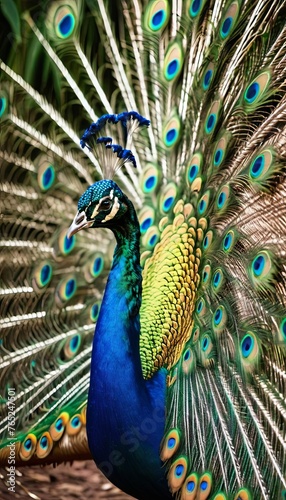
pixel 125 413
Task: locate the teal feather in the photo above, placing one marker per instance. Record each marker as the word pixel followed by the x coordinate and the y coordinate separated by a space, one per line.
pixel 187 390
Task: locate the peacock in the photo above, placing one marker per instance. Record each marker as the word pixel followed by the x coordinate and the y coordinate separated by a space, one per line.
pixel 143 232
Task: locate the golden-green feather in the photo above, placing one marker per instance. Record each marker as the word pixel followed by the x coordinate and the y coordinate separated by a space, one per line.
pixel 209 191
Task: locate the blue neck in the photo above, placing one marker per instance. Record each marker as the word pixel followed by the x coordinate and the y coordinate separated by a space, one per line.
pixel 126 414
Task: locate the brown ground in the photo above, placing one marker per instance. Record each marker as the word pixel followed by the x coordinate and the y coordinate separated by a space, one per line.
pixel 81 481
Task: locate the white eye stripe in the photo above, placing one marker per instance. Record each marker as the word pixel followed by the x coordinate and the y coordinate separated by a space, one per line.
pixel 95 212
pixel 97 207
pixel 114 210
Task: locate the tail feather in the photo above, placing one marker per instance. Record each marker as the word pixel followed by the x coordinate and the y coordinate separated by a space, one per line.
pixel 210 190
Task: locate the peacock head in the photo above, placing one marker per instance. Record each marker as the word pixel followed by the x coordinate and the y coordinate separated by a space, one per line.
pixel 101 205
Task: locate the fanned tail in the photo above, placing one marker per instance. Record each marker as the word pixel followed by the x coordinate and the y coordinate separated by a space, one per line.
pixel 209 188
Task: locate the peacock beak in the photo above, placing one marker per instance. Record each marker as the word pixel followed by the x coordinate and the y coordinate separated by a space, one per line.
pixel 80 222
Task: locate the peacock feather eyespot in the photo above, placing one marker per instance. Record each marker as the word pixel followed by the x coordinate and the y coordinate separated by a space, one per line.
pixel 247 345
pixel 195 7
pixel 70 288
pixel 149 179
pixel 258 265
pixel 188 361
pixel 146 224
pixel 203 203
pixel 95 268
pixel 282 329
pixel 151 237
pixel 212 117
pixel 28 447
pixel 74 425
pixel 94 311
pixel 250 351
pixel 194 169
pixel 219 319
pixel 65 244
pixel 170 444
pixel 173 62
pixel 257 166
pixel 177 473
pixel 208 76
pixel 220 149
pixel 228 241
pixel 217 280
pixel 66 289
pixel 262 269
pixel 71 347
pixel 187 355
pixel 146 218
pixel 179 470
pixel 64 22
pixel 226 26
pixel 42 275
pixel 201 307
pixel 44 442
pixel 262 168
pixel 157 15
pixel 218 316
pixel 190 487
pixel 46 176
pixel 74 343
pixel 45 274
pixel 193 172
pixel 208 239
pixel 44 445
pixel 255 91
pixel 150 184
pixel 168 197
pixel 206 274
pixel 218 157
pixel 206 352
pixel 210 123
pixel 58 427
pixel 251 92
pixel 153 240
pixel 3 105
pixel 205 342
pixel 207 79
pixel 75 422
pixel 171 132
pixel 228 21
pixel 28 444
pixel 219 496
pixel 222 198
pixel 205 485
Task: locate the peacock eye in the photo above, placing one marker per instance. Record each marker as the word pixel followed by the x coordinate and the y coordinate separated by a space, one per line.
pixel 105 204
